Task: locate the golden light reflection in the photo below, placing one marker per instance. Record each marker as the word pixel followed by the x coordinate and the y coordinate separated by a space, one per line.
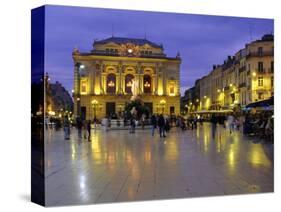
pixel 219 146
pixel 96 149
pixel 231 162
pixel 147 153
pixel 73 152
pixel 111 158
pixel 172 152
pixel 135 172
pixel 129 157
pixel 131 192
pixel 257 156
pixel 205 147
pixel 231 158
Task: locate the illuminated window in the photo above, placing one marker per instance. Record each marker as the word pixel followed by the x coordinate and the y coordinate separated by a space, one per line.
pixel 172 90
pixel 111 83
pixel 128 83
pixel 260 81
pixel 146 84
pixel 83 87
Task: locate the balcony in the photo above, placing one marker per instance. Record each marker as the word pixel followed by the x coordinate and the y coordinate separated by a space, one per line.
pixel 270 70
pixel 242 85
pixel 116 53
pixel 226 88
pixel 261 71
pixel 241 69
pixel 260 54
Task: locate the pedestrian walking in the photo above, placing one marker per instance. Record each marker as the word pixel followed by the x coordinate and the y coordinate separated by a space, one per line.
pixel 79 125
pixel 95 122
pixel 230 123
pixel 47 121
pixel 132 124
pixel 89 130
pixel 153 121
pixel 84 128
pixel 142 121
pixel 167 125
pixel 161 125
pixel 66 128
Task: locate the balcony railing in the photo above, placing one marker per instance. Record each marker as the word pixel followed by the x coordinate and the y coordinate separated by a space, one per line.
pixel 261 71
pixel 271 70
pixel 242 85
pixel 116 53
pixel 243 68
pixel 260 54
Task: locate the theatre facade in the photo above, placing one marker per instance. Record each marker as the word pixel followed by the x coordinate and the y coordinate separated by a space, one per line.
pixel 103 78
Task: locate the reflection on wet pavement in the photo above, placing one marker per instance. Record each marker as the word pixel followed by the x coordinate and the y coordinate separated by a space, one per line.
pixel 117 166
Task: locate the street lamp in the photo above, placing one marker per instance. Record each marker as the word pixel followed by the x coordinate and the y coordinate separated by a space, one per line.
pixel 95 104
pixel 79 67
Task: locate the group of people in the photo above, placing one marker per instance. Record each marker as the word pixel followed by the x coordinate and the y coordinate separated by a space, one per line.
pixel 83 128
pixel 189 123
pixel 162 123
pixel 260 124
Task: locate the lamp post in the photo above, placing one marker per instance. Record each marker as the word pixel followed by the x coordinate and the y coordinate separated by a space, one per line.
pixel 95 104
pixel 77 95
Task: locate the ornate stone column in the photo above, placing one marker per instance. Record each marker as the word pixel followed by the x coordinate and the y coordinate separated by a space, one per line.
pixel 102 90
pixel 120 81
pixel 76 80
pixel 103 79
pixel 156 80
pixel 164 81
pixel 140 79
pixel 91 80
pixel 154 84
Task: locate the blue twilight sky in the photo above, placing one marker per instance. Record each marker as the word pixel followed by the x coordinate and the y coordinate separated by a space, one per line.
pixel 201 40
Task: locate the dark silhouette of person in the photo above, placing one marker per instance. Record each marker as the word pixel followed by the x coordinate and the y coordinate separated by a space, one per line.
pixel 161 125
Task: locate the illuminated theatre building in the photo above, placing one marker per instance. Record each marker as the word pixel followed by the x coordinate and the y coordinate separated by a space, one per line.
pixel 103 78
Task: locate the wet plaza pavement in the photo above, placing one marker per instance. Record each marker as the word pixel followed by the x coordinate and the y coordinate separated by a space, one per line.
pixel 117 166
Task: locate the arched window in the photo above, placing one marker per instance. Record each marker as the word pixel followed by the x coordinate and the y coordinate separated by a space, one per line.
pixel 128 83
pixel 147 83
pixel 111 83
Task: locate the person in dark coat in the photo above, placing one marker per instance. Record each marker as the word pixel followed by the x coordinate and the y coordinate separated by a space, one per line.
pixel 153 124
pixel 161 125
pixel 89 130
pixel 167 125
pixel 79 125
pixel 133 124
